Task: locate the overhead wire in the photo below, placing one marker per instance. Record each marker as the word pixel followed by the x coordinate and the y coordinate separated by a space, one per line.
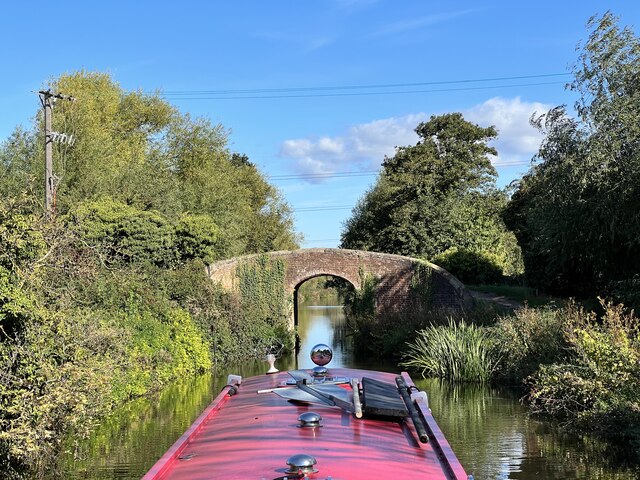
pixel 350 90
pixel 364 173
pixel 323 209
pixel 360 94
pixel 279 92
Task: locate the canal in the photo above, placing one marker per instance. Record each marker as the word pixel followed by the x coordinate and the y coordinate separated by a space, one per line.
pixel 487 427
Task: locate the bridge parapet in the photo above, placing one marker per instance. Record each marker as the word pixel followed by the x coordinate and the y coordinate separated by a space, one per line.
pixel 394 274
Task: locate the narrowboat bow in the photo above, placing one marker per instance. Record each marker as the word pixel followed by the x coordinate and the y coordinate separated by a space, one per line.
pixel 323 424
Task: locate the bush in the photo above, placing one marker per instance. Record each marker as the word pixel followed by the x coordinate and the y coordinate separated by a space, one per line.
pixel 386 334
pixel 469 266
pixel 198 236
pixel 125 233
pixel 598 387
pixel 528 338
pixel 627 292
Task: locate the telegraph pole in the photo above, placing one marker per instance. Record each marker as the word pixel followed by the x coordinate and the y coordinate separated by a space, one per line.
pixel 48 98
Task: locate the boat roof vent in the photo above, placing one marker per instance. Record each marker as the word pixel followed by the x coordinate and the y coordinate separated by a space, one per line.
pixel 309 419
pixel 301 463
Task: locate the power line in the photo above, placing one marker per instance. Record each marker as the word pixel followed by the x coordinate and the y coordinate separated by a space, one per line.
pixel 363 173
pixel 366 173
pixel 351 87
pixel 360 94
pixel 323 209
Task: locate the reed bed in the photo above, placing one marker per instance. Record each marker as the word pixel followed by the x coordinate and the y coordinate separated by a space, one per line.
pixel 458 351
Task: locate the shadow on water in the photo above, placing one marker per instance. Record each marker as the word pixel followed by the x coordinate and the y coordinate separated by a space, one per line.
pixel 487 427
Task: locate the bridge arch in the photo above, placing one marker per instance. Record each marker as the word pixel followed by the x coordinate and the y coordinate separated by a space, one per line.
pixel 395 275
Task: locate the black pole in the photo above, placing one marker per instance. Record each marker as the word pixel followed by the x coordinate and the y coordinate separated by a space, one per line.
pixel 413 413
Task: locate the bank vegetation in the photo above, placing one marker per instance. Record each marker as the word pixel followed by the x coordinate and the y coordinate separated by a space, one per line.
pixel 569 228
pixel 108 299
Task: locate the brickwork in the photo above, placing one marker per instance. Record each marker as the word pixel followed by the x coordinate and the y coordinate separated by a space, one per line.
pixel 393 272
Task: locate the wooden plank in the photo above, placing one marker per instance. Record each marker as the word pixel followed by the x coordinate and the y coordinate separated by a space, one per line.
pixel 380 398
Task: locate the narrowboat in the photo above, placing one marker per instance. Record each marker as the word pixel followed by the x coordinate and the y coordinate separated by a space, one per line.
pixel 322 424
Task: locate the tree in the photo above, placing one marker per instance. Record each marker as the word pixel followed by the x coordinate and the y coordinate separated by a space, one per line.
pixel 575 213
pixel 437 194
pixel 137 149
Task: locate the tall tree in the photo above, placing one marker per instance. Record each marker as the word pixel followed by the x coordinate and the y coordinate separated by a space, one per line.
pixel 576 211
pixel 138 150
pixel 433 195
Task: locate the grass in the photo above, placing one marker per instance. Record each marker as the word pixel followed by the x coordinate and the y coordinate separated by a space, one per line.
pixel 456 352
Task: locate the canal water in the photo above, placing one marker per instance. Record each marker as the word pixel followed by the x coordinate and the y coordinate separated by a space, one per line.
pixel 487 427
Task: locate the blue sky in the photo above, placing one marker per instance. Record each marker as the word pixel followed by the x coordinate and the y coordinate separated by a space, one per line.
pixel 275 63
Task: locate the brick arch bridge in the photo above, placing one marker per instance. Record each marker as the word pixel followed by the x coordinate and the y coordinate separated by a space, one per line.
pixel 394 275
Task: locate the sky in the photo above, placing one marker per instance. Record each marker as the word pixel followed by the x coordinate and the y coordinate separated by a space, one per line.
pixel 316 93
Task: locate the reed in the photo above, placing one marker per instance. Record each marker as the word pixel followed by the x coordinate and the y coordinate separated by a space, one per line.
pixel 456 351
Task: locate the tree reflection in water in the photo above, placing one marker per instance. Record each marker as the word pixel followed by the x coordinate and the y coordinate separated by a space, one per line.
pixel 487 427
pixel 495 438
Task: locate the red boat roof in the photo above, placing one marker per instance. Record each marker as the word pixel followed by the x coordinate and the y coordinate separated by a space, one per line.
pixel 250 436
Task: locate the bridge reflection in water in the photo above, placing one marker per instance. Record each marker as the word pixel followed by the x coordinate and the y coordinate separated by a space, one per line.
pixel 323 324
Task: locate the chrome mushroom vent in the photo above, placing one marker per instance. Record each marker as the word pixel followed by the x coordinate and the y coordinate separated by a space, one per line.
pixel 309 419
pixel 301 464
pixel 321 354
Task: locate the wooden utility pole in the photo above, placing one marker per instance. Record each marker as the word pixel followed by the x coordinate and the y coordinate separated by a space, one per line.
pixel 48 98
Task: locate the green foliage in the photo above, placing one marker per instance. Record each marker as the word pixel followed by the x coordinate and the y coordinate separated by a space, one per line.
pixel 422 284
pixel 21 238
pixel 522 295
pixel 16 155
pixel 110 300
pixel 265 307
pixel 362 301
pixel 198 236
pixel 126 233
pixel 529 338
pixel 113 131
pixel 434 195
pixel 137 150
pixel 627 292
pixel 598 388
pixel 161 349
pixel 458 352
pixel 471 266
pixel 319 291
pixel 385 334
pixel 575 213
pixel 21 244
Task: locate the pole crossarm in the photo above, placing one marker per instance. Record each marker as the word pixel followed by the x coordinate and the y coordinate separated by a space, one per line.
pixel 48 98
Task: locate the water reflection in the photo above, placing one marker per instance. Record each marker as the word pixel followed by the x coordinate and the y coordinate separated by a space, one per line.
pixel 487 427
pixel 323 324
pixel 495 438
pixel 130 440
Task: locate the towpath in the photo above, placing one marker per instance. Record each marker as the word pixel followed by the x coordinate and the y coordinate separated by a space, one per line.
pixel 501 300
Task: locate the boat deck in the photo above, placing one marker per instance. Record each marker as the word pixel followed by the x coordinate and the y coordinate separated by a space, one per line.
pixel 250 436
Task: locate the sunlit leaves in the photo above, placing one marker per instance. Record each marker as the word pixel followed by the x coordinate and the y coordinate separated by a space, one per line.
pixel 434 195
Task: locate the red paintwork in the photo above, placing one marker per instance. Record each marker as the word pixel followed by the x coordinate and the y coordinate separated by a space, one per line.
pixel 250 436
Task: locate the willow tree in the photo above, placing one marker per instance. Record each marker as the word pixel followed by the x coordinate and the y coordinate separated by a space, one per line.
pixel 576 211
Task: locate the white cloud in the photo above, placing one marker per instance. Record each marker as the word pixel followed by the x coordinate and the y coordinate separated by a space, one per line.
pixel 363 147
pixel 517 140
